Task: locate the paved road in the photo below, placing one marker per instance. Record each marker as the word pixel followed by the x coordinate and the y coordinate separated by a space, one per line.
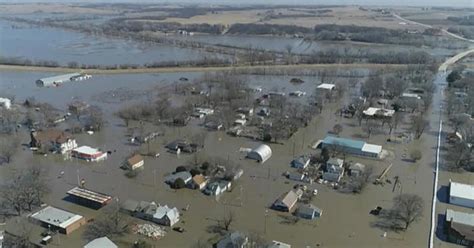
pixel 429 26
pixel 436 117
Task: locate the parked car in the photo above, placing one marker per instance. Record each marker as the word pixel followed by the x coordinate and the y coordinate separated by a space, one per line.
pixel 376 211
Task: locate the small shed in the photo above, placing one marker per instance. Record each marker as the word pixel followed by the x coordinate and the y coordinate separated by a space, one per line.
pixel 135 162
pixel 262 153
pixel 309 211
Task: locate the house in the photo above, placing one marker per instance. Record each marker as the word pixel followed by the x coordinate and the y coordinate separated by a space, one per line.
pixel 166 216
pixel 356 169
pixel 233 240
pixel 409 96
pixel 379 112
pixel 240 122
pixel 309 211
pixel 58 219
pixel 300 162
pixel 213 125
pixel 334 170
pixel 198 182
pixel 53 140
pixel 461 194
pixel 286 202
pixel 459 227
pixel 89 154
pixel 217 188
pixel 162 215
pixel 5 103
pixel 182 146
pixel 297 93
pixel 261 153
pixel 296 176
pixel 135 162
pixel 204 111
pixel 78 106
pixel 354 147
pixel 328 87
pixel 184 175
pixel 103 242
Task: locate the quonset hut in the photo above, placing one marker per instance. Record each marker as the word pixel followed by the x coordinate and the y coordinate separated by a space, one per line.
pixel 262 153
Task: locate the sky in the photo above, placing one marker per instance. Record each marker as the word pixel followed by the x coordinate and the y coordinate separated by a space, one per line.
pixel 450 3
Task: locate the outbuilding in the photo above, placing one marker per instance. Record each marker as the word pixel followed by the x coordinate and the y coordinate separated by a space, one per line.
pixel 262 153
pixel 354 147
pixel 57 80
pixel 89 154
pixel 58 219
pixel 309 211
pixel 135 162
pixel 461 194
pixel 459 227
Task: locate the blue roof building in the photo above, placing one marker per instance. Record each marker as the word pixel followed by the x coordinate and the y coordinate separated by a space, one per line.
pixel 354 147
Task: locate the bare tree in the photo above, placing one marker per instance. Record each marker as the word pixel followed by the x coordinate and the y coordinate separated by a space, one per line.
pixel 415 155
pixel 227 220
pixel 111 223
pixel 369 127
pixel 357 184
pixel 21 237
pixel 408 208
pixel 418 125
pixel 8 148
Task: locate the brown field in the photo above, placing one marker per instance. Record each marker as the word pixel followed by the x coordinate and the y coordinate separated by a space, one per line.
pixel 50 8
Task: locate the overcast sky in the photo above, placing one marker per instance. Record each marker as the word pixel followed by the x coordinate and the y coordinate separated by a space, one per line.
pixel 453 3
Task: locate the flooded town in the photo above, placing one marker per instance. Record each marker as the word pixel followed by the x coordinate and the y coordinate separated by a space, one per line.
pixel 222 124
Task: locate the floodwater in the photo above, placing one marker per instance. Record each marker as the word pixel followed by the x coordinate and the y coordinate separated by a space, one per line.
pixel 44 43
pixel 345 217
pixel 301 46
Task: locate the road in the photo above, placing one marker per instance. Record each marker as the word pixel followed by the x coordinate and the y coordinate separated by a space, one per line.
pixel 429 26
pixel 436 116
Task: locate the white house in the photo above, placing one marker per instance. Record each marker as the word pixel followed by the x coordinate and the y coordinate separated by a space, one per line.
pixel 326 86
pixel 300 162
pixel 217 188
pixel 89 154
pixel 166 216
pixel 262 153
pixel 334 170
pixel 461 194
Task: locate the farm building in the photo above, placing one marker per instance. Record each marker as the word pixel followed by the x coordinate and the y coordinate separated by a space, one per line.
pixel 59 79
pixel 354 147
pixel 89 198
pixel 459 227
pixel 300 162
pixel 58 219
pixel 88 153
pixel 262 153
pixel 103 242
pixel 461 194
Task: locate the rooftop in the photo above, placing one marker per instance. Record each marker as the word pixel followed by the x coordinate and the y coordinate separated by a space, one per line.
pixel 56 217
pixel 103 242
pixel 90 195
pixel 326 86
pixel 461 190
pixel 331 140
pixel 460 217
pixel 86 150
pixel 135 159
pixel 60 77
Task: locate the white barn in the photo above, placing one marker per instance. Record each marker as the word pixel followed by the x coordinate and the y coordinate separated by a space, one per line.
pixel 461 194
pixel 262 153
